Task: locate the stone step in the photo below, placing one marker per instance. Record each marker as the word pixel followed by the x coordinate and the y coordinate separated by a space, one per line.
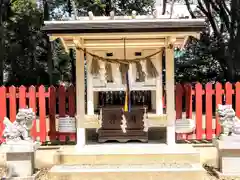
pixel 128 154
pixel 165 171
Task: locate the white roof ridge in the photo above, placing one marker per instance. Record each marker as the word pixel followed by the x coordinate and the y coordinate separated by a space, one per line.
pixel 115 20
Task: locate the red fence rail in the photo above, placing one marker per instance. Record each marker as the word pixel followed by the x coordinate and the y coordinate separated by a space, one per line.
pixel 197 102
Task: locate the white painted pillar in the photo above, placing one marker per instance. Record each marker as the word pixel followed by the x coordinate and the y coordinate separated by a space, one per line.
pixel 159 86
pixel 80 97
pixel 170 93
pixel 153 100
pixel 90 94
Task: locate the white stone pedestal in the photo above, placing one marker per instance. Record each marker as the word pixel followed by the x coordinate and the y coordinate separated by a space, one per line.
pixel 229 155
pixel 20 159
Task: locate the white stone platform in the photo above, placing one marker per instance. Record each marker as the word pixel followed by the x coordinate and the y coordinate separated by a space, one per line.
pixel 130 148
pixel 126 172
pixel 123 161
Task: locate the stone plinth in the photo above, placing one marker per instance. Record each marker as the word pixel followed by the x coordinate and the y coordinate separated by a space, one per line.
pixel 229 155
pixel 20 158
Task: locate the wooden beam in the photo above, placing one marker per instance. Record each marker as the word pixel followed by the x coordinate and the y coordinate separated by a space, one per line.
pixel 66 48
pixel 184 42
pixel 127 35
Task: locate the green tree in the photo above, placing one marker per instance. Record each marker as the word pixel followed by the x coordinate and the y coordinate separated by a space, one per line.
pixel 25 44
pixel 223 31
pixel 5 15
pixel 104 7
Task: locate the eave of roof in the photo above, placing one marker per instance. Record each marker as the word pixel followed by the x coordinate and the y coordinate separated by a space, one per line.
pixel 129 25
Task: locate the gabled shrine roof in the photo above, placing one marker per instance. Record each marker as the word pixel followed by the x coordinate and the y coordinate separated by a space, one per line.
pixel 123 24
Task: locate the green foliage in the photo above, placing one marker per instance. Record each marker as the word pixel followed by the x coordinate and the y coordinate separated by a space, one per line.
pixel 196 63
pixel 27 57
pixel 121 7
pixel 222 33
pixel 61 61
pixel 25 44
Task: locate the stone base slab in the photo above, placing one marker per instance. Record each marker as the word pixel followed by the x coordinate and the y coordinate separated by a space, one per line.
pixel 33 177
pixel 128 173
pixel 20 157
pixel 229 156
pixel 21 146
pixel 227 142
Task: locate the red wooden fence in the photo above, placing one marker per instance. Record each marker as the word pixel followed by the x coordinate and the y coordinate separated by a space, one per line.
pixel 205 100
pixel 192 101
pixel 45 102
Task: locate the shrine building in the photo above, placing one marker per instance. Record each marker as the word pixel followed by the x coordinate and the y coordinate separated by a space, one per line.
pixel 124 54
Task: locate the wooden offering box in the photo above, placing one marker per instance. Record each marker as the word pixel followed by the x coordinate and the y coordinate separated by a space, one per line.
pixel 111 125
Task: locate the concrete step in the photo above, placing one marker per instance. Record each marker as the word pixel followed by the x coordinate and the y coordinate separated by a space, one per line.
pixel 128 154
pixel 127 172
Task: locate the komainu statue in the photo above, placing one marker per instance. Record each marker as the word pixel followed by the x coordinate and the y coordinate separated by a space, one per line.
pixel 20 128
pixel 228 120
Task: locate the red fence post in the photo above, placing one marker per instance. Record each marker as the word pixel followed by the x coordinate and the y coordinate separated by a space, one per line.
pixel 179 108
pixel 209 117
pixel 71 101
pixel 42 113
pixel 219 92
pixel 229 93
pixel 12 103
pixel 71 108
pixel 52 113
pixel 33 104
pixel 237 99
pixel 62 101
pixel 189 103
pixel 198 96
pixel 179 96
pixel 188 98
pixel 3 107
pixel 62 108
pixel 22 97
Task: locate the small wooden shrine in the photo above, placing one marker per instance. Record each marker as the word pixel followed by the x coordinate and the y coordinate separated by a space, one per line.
pixel 124 52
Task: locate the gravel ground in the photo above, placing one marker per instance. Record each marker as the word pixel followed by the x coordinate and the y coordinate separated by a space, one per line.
pixel 210 174
pixel 43 174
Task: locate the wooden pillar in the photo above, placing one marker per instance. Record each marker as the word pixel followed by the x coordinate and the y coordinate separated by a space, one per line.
pixel 159 86
pixel 90 94
pixel 80 96
pixel 170 93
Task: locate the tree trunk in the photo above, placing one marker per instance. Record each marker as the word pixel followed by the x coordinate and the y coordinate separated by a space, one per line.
pixel 1 45
pixel 50 61
pixel 73 68
pixel 49 46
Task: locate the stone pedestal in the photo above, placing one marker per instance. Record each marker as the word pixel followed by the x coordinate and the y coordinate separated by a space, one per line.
pixel 229 155
pixel 20 158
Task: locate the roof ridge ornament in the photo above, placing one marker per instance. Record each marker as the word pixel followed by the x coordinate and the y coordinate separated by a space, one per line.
pixel 91 16
pixel 134 14
pixel 112 13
